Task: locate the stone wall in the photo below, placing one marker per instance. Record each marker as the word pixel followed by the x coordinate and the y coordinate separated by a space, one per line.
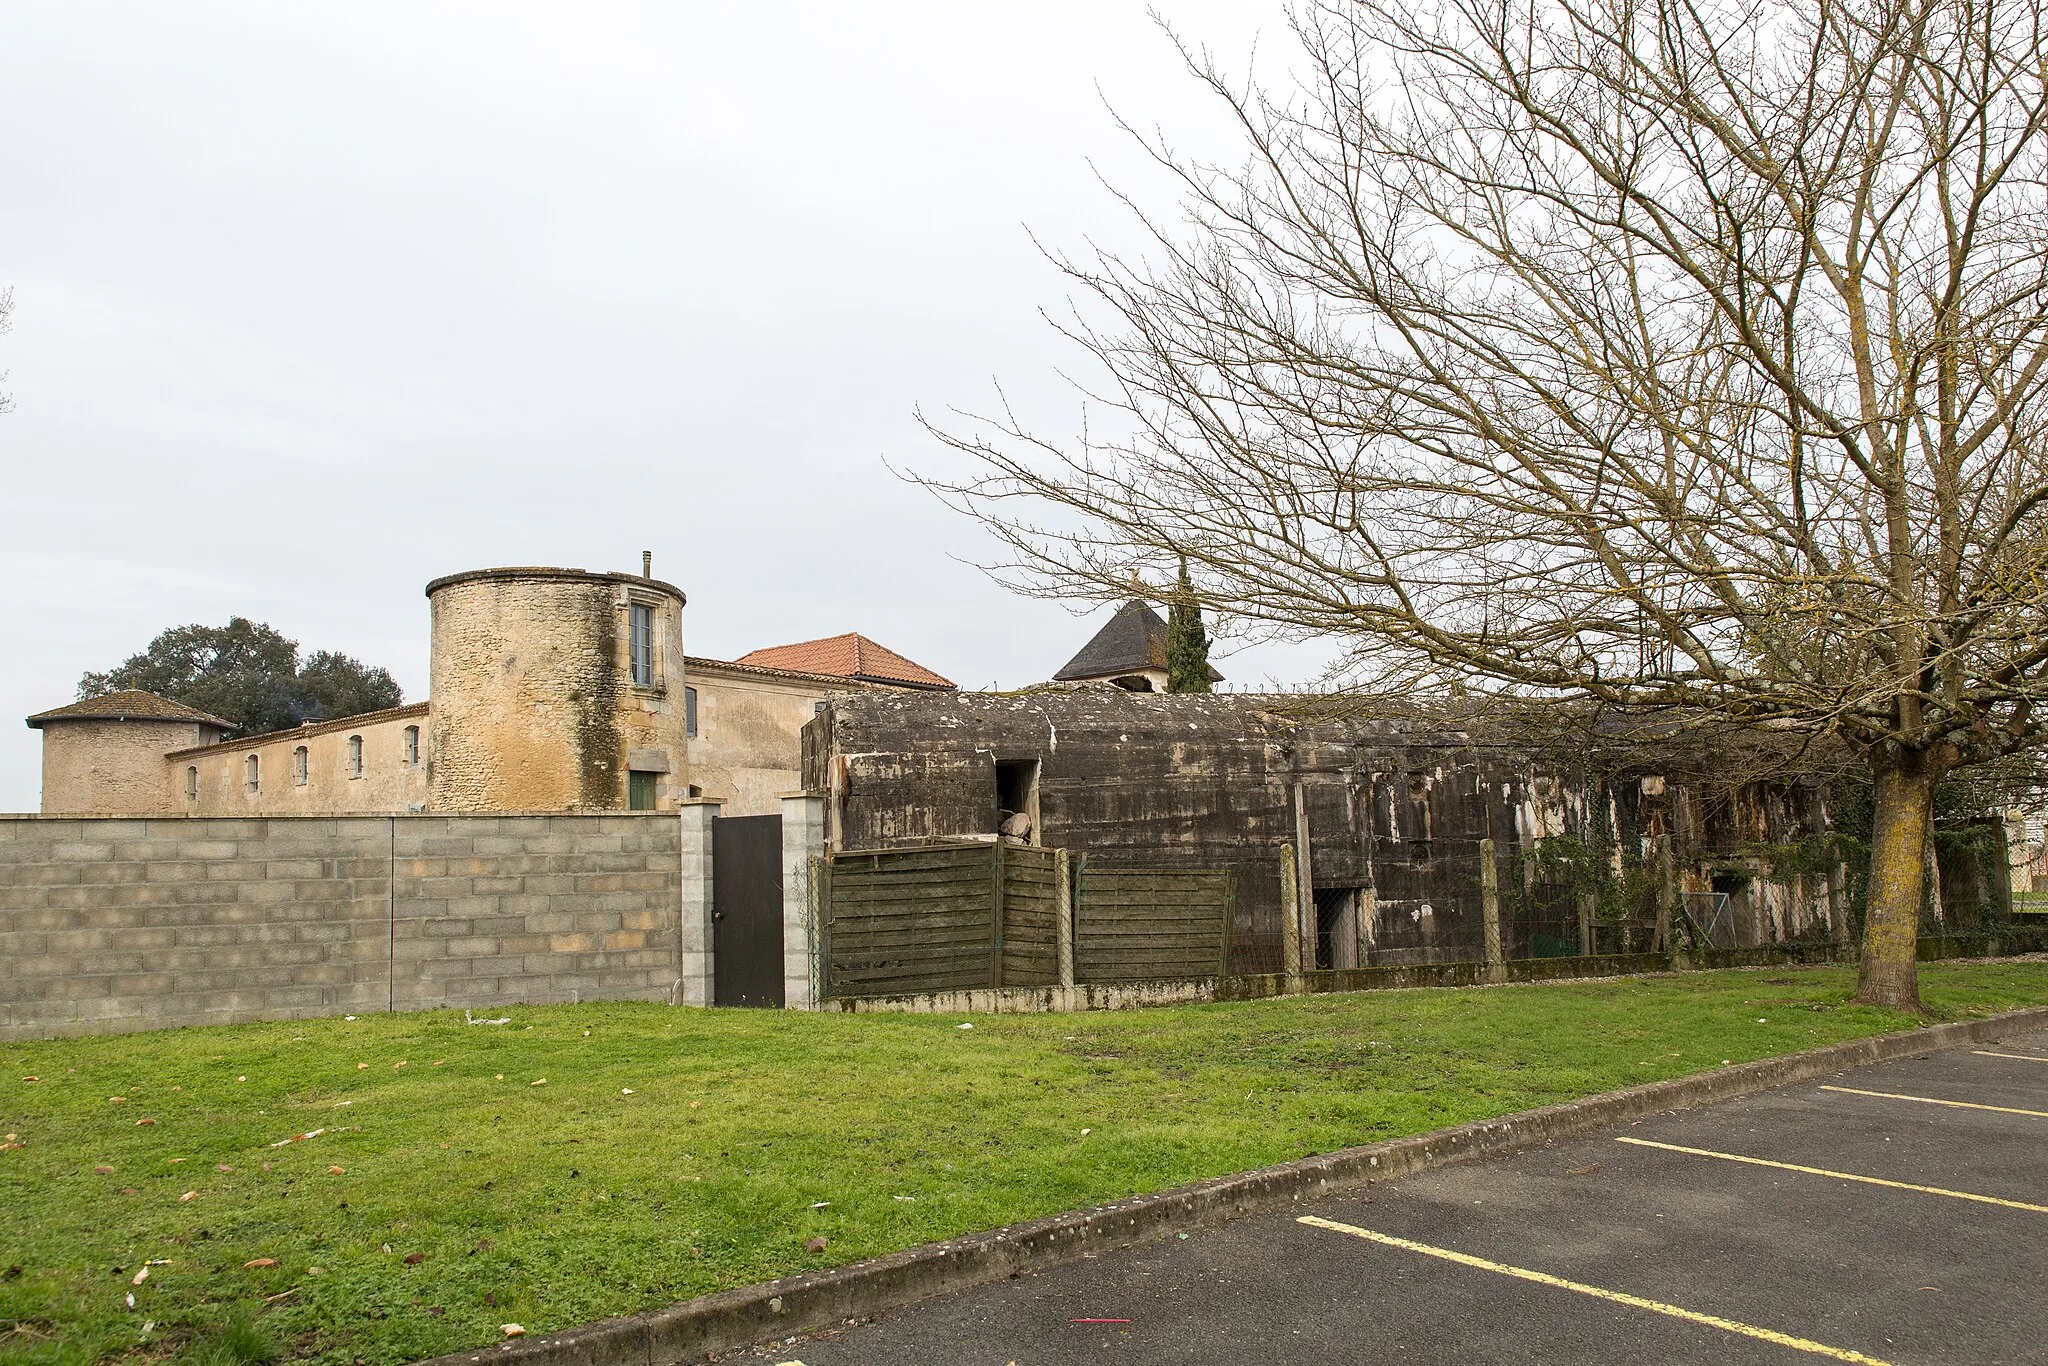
pixel 112 765
pixel 748 726
pixel 110 924
pixel 213 780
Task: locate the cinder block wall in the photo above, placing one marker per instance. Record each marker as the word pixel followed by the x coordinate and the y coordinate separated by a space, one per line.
pixel 113 923
pixel 497 909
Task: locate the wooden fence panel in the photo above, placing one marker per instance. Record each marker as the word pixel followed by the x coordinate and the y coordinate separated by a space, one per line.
pixel 910 920
pixel 1131 924
pixel 1031 908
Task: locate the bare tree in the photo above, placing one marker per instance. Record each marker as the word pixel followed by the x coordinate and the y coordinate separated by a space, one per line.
pixel 1672 354
pixel 6 326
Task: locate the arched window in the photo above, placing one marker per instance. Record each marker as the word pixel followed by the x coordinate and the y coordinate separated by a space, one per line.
pixel 355 756
pixel 253 767
pixel 299 766
pixel 192 783
pixel 412 746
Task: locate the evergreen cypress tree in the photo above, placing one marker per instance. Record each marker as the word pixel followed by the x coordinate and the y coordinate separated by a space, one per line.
pixel 1187 644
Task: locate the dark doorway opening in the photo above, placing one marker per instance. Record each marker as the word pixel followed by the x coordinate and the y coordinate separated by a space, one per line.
pixel 1337 927
pixel 746 911
pixel 1017 799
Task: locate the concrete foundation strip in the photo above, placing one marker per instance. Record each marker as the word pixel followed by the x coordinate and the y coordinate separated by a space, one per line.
pixel 732 1319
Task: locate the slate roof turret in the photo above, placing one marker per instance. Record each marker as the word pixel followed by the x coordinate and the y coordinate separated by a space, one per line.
pixel 1134 640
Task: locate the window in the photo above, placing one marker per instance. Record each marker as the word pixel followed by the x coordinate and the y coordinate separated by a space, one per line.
pixel 192 784
pixel 643 644
pixel 817 708
pixel 253 767
pixel 690 711
pixel 299 766
pixel 412 746
pixel 640 790
pixel 355 756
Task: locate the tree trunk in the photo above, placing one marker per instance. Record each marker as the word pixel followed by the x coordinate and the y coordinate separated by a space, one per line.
pixel 1904 793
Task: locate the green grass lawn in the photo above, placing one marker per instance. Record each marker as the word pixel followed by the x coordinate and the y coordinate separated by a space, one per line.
pixel 674 1152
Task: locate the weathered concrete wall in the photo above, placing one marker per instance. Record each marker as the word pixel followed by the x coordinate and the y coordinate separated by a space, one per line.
pixel 535 707
pixel 1399 810
pixel 111 766
pixel 118 924
pixel 213 780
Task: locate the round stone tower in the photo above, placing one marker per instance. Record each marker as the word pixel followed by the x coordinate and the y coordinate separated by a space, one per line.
pixel 105 755
pixel 555 690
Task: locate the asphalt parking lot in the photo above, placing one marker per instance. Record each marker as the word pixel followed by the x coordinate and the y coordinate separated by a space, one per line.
pixel 1850 1219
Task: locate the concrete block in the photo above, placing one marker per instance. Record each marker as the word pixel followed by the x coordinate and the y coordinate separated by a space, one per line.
pixel 416 950
pixel 442 927
pixel 146 984
pixel 501 924
pixel 112 872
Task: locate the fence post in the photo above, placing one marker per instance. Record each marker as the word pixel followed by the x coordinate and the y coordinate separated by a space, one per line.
pixel 1489 912
pixel 1588 900
pixel 1838 905
pixel 995 913
pixel 1290 920
pixel 1667 901
pixel 1305 885
pixel 1063 880
pixel 803 848
pixel 695 966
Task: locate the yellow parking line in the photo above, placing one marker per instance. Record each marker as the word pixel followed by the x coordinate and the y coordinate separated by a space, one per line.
pixel 2024 1057
pixel 1560 1283
pixel 1931 1100
pixel 1839 1176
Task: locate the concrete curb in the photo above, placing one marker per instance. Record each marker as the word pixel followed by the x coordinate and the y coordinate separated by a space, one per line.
pixel 731 1319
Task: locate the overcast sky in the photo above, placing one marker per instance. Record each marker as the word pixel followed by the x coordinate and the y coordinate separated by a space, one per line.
pixel 317 302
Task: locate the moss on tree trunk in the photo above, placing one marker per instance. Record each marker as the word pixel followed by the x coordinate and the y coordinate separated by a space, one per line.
pixel 1903 810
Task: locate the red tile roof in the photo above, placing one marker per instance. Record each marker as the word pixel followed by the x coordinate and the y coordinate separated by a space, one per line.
pixel 130 704
pixel 851 656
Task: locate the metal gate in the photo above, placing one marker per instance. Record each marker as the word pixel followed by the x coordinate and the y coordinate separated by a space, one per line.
pixel 746 911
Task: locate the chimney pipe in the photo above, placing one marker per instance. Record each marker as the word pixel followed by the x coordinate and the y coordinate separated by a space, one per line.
pixel 646 564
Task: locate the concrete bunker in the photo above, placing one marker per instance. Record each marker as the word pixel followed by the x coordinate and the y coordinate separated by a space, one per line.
pixel 1393 814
